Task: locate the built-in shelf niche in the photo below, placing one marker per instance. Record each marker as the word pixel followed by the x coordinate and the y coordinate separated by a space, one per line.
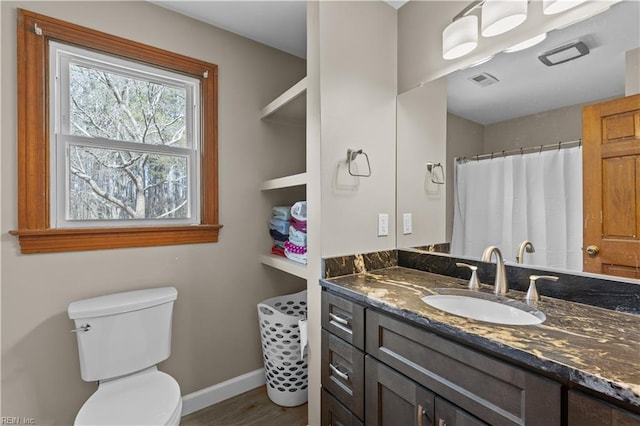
pixel 289 108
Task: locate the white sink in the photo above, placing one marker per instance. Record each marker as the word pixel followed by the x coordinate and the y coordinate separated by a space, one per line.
pixel 485 307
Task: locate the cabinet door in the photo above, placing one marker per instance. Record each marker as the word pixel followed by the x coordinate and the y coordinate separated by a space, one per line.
pixel 585 410
pixel 495 391
pixel 448 414
pixel 336 414
pixel 394 400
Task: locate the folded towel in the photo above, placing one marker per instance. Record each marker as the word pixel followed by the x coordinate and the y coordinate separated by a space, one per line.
pixel 277 236
pixel 300 225
pixel 300 258
pixel 296 237
pixel 278 251
pixel 299 210
pixel 294 248
pixel 282 226
pixel 282 212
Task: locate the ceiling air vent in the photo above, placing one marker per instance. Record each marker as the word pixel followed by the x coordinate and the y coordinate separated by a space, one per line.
pixel 565 53
pixel 485 79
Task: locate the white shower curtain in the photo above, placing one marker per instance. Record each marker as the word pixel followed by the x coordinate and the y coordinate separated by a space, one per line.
pixel 506 200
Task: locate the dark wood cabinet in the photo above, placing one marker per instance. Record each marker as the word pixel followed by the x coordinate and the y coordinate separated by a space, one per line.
pixel 585 410
pixel 492 390
pixel 342 372
pixel 336 414
pixel 448 414
pixel 394 400
pixel 381 370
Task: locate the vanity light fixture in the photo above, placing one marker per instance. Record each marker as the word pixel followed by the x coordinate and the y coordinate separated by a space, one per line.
pixel 551 7
pixel 527 43
pixel 565 53
pixel 460 37
pixel 500 16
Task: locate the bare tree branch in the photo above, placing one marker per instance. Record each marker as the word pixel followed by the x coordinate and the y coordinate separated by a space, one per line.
pixel 103 194
pixel 172 211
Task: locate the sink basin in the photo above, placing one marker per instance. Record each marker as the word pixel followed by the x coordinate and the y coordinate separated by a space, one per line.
pixel 484 307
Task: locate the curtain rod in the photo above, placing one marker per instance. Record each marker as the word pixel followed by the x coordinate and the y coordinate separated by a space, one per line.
pixel 528 150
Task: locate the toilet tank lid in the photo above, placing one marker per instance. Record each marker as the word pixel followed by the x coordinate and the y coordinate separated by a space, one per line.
pixel 118 303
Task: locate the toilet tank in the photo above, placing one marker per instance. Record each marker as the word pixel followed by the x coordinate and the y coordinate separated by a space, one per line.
pixel 126 332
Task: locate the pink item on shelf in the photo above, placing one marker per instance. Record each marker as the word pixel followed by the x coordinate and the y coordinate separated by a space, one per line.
pixel 300 225
pixel 294 248
pixel 278 251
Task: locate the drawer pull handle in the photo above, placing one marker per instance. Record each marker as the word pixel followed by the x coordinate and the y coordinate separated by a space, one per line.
pixel 420 414
pixel 339 373
pixel 338 319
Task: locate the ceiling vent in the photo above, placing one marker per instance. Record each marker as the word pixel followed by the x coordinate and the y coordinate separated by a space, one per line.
pixel 484 79
pixel 565 53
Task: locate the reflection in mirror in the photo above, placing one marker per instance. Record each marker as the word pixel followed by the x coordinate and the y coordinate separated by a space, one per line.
pixel 530 105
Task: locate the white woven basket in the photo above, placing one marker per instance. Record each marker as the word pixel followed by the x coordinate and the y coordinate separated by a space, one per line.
pixel 285 362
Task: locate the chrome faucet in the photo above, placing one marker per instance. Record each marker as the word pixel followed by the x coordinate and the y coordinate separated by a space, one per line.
pixel 528 245
pixel 501 285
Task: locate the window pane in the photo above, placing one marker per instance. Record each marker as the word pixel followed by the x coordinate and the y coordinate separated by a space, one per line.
pixel 108 184
pixel 113 106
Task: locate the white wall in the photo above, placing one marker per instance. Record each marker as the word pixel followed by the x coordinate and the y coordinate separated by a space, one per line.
pixel 357 45
pixel 632 72
pixel 421 138
pixel 215 331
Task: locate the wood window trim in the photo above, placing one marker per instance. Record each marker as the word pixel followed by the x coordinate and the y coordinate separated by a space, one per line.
pixel 34 232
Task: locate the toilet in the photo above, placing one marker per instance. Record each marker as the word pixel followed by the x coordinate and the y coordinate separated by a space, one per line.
pixel 121 337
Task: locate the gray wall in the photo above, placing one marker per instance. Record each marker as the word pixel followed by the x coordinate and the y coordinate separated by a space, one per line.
pixel 215 331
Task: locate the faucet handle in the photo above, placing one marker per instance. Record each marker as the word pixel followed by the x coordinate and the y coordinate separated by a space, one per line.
pixel 532 293
pixel 474 282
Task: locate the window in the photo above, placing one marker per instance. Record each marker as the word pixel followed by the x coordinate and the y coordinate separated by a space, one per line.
pixel 125 135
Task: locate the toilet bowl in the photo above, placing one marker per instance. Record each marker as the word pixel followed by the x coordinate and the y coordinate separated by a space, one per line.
pixel 121 337
pixel 147 398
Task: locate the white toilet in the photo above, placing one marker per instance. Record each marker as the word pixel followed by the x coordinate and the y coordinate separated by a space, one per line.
pixel 121 338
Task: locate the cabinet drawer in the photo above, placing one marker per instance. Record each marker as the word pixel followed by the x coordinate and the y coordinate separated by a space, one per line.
pixel 336 414
pixel 585 410
pixel 343 318
pixel 495 392
pixel 342 372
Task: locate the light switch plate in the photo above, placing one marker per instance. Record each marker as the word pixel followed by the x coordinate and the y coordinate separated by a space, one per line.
pixel 406 224
pixel 383 224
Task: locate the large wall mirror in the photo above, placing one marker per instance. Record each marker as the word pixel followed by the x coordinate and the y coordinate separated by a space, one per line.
pixel 512 106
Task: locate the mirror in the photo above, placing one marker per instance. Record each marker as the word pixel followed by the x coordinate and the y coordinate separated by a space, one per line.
pixel 531 105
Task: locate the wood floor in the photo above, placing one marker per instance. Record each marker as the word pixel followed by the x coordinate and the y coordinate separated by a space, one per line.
pixel 249 409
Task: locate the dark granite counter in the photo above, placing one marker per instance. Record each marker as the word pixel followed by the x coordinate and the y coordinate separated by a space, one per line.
pixel 598 349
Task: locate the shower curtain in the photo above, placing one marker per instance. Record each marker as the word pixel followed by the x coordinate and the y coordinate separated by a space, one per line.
pixel 506 200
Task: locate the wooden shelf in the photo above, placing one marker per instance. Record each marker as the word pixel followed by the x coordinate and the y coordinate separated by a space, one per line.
pixel 284 264
pixel 287 98
pixel 284 182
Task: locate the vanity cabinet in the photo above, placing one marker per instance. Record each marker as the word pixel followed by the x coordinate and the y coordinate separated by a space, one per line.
pixel 383 371
pixel 585 410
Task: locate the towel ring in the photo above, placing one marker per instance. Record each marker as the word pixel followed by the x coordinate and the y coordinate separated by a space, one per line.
pixel 351 156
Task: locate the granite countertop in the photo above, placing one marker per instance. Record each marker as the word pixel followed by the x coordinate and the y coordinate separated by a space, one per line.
pixel 596 348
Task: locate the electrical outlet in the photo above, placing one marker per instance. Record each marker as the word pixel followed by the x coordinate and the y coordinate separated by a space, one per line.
pixel 383 224
pixel 406 224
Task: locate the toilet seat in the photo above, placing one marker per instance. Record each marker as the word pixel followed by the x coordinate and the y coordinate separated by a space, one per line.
pixel 147 398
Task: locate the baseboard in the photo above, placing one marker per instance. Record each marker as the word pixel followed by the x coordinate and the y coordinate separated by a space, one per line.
pixel 228 389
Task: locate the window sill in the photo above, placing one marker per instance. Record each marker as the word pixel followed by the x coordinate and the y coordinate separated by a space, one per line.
pixel 64 240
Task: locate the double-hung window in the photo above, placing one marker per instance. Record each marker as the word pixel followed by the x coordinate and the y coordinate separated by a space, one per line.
pixel 124 143
pixel 117 141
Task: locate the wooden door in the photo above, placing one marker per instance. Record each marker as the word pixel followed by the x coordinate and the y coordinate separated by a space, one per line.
pixel 611 187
